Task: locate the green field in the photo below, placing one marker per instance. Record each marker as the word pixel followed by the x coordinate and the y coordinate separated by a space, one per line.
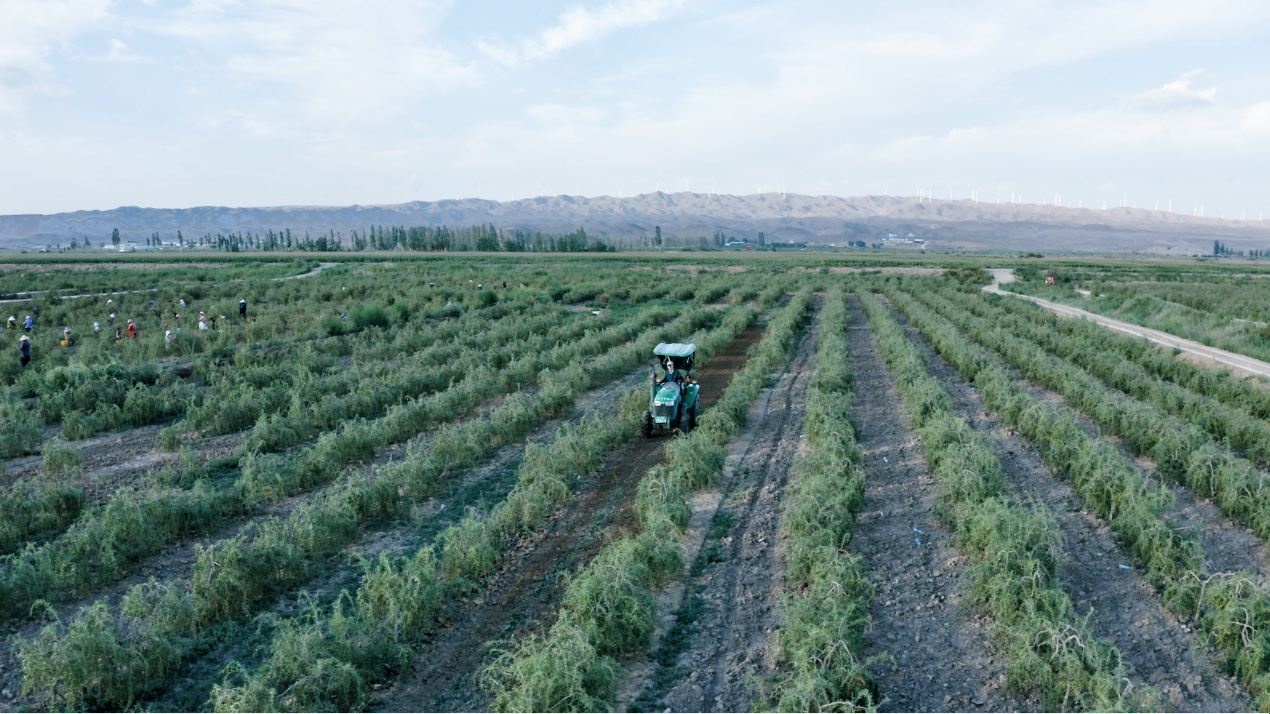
pixel 417 482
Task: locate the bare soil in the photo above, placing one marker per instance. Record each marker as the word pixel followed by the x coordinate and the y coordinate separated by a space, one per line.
pixel 1123 609
pixel 741 579
pixel 523 595
pixel 941 659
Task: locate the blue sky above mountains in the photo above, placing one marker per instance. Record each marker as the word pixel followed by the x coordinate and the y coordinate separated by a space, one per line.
pixel 211 102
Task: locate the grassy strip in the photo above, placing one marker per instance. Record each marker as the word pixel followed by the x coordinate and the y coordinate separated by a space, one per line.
pixel 1232 611
pixel 1179 449
pixel 610 607
pixel 158 624
pixel 327 662
pixel 1241 430
pixel 826 612
pixel 1014 551
pixel 107 542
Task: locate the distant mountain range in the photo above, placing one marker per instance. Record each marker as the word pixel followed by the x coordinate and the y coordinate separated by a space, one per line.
pixel 942 224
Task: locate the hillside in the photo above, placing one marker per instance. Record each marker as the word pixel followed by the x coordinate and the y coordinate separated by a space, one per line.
pixel 944 224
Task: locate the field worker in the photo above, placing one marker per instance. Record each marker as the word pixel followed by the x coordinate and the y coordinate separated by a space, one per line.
pixel 28 323
pixel 13 322
pixel 111 320
pixel 479 286
pixel 110 301
pixel 132 329
pixel 66 337
pixel 96 327
pixel 242 309
pixel 168 337
pixel 36 312
pixel 182 302
pixel 24 346
pixel 118 335
pixel 202 323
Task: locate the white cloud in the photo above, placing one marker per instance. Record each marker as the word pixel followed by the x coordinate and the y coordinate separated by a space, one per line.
pixel 1178 94
pixel 347 62
pixel 578 26
pixel 32 30
pixel 119 53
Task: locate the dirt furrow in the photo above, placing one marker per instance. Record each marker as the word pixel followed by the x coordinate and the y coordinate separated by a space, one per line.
pixel 1123 609
pixel 733 640
pixel 941 659
pixel 523 595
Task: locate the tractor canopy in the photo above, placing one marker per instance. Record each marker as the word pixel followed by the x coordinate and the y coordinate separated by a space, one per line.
pixel 676 349
pixel 678 353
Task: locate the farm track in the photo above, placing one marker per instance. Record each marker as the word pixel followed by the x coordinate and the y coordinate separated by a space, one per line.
pixel 734 640
pixel 1123 609
pixel 523 595
pixel 943 660
pixel 1240 363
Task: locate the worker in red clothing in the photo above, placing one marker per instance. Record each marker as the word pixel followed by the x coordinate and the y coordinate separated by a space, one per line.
pixel 132 329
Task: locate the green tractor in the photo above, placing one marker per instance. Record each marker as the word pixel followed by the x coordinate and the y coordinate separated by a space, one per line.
pixel 674 399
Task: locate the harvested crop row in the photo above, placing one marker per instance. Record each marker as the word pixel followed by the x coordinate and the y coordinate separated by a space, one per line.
pixel 610 607
pixel 103 546
pixel 159 626
pixel 826 613
pixel 329 662
pixel 273 433
pixel 1178 449
pixel 1035 618
pixel 1229 607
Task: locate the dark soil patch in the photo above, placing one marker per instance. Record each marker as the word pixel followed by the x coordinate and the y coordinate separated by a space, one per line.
pixel 942 660
pixel 1124 610
pixel 522 597
pixel 730 616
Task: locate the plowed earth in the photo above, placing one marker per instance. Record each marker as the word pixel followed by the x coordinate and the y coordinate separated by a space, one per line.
pixel 739 579
pixel 940 657
pixel 522 596
pixel 1124 609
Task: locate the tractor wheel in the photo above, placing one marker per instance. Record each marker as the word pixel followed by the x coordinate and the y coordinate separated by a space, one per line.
pixel 685 422
pixel 646 425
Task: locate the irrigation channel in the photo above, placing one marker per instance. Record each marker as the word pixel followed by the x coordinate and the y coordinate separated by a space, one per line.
pixel 523 595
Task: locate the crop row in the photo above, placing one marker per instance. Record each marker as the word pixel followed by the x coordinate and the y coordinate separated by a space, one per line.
pixel 327 661
pixel 1013 550
pixel 826 612
pixel 610 607
pixel 1178 448
pixel 1230 608
pixel 381 374
pixel 108 541
pixel 159 624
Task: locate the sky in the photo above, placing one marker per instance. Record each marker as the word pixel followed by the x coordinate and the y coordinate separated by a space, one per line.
pixel 180 103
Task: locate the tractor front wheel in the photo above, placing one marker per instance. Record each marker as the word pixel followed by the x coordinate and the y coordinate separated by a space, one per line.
pixel 685 422
pixel 646 425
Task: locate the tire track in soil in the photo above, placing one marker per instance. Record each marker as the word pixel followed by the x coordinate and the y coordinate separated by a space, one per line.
pixel 942 658
pixel 523 595
pixel 1123 609
pixel 734 639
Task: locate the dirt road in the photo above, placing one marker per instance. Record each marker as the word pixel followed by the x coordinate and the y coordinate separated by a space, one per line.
pixel 1229 359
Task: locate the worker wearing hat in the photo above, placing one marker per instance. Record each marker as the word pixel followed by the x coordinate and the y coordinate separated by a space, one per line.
pixel 24 346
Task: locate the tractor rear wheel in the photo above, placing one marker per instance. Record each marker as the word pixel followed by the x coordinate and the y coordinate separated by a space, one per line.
pixel 646 425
